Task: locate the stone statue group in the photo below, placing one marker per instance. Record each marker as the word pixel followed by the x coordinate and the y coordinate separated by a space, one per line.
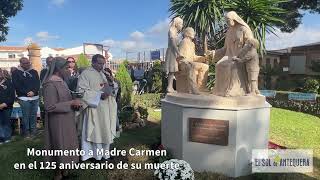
pixel 237 63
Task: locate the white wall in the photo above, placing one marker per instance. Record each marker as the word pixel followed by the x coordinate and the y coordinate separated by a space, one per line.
pixel 46 52
pixel 72 51
pixel 5 54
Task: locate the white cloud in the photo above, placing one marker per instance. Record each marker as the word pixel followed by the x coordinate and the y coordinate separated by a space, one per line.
pixel 109 42
pixel 128 45
pixel 27 40
pixel 152 38
pixel 45 36
pixel 137 35
pixel 160 28
pixel 58 2
pixel 302 35
pixel 41 38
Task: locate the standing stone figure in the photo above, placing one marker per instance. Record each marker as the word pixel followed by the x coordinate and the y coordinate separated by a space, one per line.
pixel 197 72
pixel 230 76
pixel 172 52
pixel 249 56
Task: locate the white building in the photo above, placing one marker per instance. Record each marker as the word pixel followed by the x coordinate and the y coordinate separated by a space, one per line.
pixel 10 55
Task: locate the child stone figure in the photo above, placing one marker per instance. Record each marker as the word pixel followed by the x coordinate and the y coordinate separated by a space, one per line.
pixel 172 52
pixel 248 55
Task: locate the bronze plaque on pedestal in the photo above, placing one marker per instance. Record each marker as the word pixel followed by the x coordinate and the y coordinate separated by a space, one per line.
pixel 209 131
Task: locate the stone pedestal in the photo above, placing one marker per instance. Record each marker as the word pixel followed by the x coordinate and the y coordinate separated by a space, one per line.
pixel 215 134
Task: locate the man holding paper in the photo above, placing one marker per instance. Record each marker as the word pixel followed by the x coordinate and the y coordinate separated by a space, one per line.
pixel 98 116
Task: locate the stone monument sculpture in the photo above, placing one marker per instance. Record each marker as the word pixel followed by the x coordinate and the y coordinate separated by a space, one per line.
pixel 218 131
pixel 172 52
pixel 191 65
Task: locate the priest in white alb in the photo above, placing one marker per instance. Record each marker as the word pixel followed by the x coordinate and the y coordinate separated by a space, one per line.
pixel 97 119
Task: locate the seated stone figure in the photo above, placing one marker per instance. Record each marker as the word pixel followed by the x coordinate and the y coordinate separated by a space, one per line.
pixel 248 55
pixel 193 74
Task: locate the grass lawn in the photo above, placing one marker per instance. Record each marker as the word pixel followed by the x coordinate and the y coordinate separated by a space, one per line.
pixel 287 128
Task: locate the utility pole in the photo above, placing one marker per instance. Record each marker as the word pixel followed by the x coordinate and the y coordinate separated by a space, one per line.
pixel 163 54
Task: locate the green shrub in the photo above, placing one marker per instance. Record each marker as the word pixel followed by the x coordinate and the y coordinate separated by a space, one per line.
pixel 311 86
pixel 126 63
pixel 83 61
pixel 309 107
pixel 126 84
pixel 126 114
pixel 143 112
pixel 156 77
pixel 281 101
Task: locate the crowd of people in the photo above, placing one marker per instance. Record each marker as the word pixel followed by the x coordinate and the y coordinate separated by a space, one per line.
pixel 141 78
pixel 22 84
pixel 80 107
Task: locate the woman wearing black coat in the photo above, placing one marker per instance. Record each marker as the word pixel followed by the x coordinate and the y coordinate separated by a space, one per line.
pixel 7 96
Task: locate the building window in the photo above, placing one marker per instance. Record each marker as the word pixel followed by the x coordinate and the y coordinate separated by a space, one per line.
pixel 11 56
pixel 297 64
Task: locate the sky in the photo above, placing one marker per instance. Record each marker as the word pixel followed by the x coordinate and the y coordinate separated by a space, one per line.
pixel 124 25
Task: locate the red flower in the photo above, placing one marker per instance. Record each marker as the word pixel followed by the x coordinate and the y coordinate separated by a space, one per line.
pixel 272 145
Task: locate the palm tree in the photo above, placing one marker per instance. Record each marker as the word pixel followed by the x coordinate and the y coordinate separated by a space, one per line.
pixel 202 15
pixel 261 15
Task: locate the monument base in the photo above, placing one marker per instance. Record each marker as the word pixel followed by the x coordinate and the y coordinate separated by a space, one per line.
pixel 213 138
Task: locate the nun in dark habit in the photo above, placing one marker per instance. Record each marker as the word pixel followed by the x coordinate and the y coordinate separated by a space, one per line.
pixel 60 127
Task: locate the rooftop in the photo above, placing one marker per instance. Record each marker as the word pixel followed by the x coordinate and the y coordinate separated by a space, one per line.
pixel 13 48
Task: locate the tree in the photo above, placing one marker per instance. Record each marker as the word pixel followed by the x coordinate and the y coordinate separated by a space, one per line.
pixel 267 72
pixel 261 15
pixel 156 77
pixel 126 84
pixel 83 62
pixel 295 10
pixel 8 8
pixel 202 15
pixel 311 86
pixel 205 16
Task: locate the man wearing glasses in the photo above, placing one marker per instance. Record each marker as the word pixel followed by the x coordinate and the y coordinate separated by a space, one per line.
pixel 27 83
